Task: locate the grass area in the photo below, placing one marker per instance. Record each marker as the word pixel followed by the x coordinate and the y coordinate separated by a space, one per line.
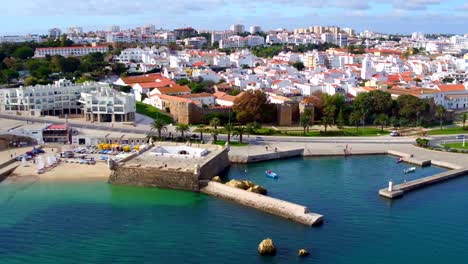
pixel 153 112
pixel 448 131
pixel 346 132
pixel 456 145
pixel 232 143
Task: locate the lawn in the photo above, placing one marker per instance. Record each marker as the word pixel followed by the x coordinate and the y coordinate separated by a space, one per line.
pixel 346 132
pixel 232 143
pixel 153 112
pixel 456 145
pixel 448 131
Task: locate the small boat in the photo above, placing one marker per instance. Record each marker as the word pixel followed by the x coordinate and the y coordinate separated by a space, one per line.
pixel 271 174
pixel 410 170
pixel 400 160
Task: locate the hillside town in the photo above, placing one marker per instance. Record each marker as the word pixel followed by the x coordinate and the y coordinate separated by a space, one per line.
pixel 320 75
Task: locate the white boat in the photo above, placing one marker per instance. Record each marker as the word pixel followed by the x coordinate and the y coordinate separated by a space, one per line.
pixel 410 170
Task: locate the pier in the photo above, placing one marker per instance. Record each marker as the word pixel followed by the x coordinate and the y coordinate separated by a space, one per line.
pixel 399 190
pixel 263 203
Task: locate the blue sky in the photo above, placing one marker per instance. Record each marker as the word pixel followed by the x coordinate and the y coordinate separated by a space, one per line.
pixel 390 16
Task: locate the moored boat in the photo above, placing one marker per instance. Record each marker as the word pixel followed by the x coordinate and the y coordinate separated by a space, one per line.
pixel 410 170
pixel 271 174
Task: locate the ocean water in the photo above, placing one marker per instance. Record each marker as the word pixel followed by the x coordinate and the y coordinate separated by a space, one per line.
pixel 94 222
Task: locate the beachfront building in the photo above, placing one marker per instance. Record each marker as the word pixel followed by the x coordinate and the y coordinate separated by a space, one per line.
pixel 53 100
pixel 69 51
pixel 57 134
pixel 65 98
pixel 107 105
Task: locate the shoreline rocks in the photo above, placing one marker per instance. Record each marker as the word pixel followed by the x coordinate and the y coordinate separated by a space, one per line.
pixel 266 247
pixel 216 179
pixel 303 252
pixel 247 185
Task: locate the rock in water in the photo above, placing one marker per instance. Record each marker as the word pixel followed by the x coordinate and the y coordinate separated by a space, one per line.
pixel 266 247
pixel 303 252
pixel 216 179
pixel 249 184
pixel 237 184
pixel 257 189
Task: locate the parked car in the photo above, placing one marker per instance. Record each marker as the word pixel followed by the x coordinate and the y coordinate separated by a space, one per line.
pixel 20 157
pixel 67 154
pixel 259 139
pixel 461 137
pixel 394 133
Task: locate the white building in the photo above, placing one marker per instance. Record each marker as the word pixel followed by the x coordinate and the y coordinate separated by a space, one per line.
pixel 75 31
pixel 19 39
pixel 255 29
pixel 366 69
pixel 217 36
pixel 107 105
pixel 69 51
pixel 238 28
pixel 55 33
pixel 114 28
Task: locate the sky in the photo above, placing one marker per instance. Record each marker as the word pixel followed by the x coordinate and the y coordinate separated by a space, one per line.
pixel 387 16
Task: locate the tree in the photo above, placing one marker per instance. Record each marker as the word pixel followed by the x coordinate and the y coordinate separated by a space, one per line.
pixel 440 114
pixel 30 81
pixel 328 116
pixel 201 129
pixel 214 134
pixel 381 120
pixel 299 65
pixel 23 52
pixel 355 118
pixel 182 129
pixel 250 128
pixel 228 128
pixel 251 106
pixel 464 117
pixel 305 121
pixel 340 120
pixel 239 131
pixel 159 125
pixel 215 122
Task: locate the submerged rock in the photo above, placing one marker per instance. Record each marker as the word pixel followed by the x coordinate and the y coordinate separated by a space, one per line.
pixel 258 189
pixel 237 184
pixel 303 252
pixel 216 179
pixel 266 247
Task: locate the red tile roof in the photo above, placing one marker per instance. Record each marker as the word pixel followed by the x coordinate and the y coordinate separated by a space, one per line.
pixel 451 87
pixel 154 77
pixel 196 95
pixel 174 89
pixel 56 127
pixel 74 47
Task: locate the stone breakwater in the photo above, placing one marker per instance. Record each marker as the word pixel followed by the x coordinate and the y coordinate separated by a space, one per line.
pixel 263 203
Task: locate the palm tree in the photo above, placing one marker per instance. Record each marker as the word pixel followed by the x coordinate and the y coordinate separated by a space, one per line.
pixel 182 128
pixel 382 120
pixel 239 131
pixel 440 113
pixel 305 121
pixel 159 125
pixel 215 122
pixel 228 127
pixel 464 116
pixel 214 134
pixel 201 129
pixel 355 118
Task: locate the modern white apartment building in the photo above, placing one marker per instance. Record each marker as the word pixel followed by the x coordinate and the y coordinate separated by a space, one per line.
pixel 69 51
pixel 217 36
pixel 238 28
pixel 55 33
pixel 66 98
pixel 255 29
pixel 107 105
pixel 75 31
pixel 239 42
pixel 114 28
pixel 19 39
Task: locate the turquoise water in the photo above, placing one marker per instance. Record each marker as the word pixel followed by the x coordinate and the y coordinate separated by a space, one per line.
pixel 93 222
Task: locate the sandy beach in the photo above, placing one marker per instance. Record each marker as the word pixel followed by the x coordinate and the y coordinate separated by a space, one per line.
pixel 62 172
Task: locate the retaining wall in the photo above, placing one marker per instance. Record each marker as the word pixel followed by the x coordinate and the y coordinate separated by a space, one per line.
pixel 264 203
pixel 266 156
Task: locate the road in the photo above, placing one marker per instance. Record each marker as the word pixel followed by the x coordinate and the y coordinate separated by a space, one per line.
pixel 144 129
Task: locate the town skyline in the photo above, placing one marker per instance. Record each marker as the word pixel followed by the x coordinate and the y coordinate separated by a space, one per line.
pixel 391 17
